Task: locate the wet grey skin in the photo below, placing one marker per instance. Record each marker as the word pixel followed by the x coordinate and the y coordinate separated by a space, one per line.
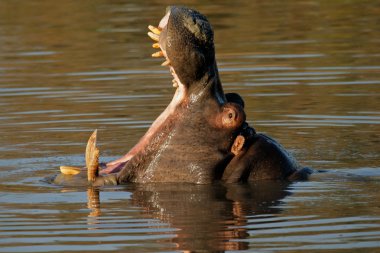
pixel 202 136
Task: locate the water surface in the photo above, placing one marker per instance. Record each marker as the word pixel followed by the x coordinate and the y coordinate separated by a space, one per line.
pixel 309 72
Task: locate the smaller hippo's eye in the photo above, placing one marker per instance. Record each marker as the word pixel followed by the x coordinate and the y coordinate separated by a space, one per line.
pixel 230 115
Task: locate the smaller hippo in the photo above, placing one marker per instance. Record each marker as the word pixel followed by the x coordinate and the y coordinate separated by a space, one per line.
pixel 259 157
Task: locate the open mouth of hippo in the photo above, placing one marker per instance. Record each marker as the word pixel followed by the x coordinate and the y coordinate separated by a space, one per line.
pixel 185 40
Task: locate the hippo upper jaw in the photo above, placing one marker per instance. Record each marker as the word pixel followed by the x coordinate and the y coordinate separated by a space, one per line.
pixel 185 38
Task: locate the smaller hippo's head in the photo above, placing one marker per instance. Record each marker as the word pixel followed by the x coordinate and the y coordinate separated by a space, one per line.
pixel 187 42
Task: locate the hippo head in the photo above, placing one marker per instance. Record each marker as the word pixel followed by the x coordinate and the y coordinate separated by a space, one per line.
pixel 192 138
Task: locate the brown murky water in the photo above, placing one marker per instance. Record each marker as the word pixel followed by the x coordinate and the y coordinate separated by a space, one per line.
pixel 310 75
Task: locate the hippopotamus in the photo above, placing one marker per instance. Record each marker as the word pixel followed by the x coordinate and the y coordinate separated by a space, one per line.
pixel 202 136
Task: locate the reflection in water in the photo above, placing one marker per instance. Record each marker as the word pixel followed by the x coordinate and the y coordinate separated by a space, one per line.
pixel 93 202
pixel 207 217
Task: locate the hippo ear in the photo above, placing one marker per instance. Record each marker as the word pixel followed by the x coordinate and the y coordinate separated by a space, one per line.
pixel 235 98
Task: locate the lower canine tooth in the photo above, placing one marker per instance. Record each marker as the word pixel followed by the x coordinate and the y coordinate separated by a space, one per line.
pixel 154 36
pixel 158 54
pixel 165 63
pixel 154 29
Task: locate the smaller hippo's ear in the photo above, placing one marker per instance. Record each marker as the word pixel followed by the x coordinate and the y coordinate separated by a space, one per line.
pixel 238 145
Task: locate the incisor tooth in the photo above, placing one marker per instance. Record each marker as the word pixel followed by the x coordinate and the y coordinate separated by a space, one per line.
pixel 154 36
pixel 158 54
pixel 156 45
pixel 155 30
pixel 165 63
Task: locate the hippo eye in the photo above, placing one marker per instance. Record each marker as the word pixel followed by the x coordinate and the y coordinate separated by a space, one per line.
pixel 230 115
